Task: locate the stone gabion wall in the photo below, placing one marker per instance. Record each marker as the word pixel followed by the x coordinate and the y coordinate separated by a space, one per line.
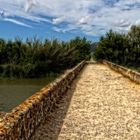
pixel 132 75
pixel 21 123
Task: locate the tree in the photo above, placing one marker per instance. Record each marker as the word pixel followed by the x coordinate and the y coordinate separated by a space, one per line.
pixel 134 41
pixel 112 47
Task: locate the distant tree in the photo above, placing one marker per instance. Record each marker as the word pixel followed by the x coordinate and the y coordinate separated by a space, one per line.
pixel 112 47
pixel 35 58
pixel 134 47
pixel 83 47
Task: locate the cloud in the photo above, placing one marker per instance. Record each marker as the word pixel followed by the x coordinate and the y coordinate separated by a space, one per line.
pixel 122 23
pixel 29 4
pixel 137 22
pixel 17 22
pixel 58 20
pixel 86 20
pixel 58 30
pixel 91 17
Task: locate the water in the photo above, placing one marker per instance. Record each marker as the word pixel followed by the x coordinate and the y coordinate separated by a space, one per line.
pixel 14 92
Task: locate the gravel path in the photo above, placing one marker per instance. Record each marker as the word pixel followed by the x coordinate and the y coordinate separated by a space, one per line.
pixel 101 105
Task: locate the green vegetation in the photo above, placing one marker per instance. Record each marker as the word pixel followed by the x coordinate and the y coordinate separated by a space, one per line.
pixel 123 49
pixel 35 58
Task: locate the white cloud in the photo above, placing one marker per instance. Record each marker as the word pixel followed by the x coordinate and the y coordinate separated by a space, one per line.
pixel 137 22
pixel 17 22
pixel 29 5
pixel 92 17
pixel 58 20
pixel 122 23
pixel 58 29
pixel 86 20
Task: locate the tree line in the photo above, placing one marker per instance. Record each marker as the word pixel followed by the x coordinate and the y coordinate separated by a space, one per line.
pixel 120 48
pixel 36 58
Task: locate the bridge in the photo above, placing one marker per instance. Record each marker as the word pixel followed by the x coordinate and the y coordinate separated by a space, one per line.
pixel 100 104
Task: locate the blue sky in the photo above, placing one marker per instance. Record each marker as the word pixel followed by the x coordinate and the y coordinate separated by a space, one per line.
pixel 65 19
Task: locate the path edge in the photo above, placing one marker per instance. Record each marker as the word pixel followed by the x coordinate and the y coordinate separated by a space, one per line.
pixel 22 121
pixel 131 74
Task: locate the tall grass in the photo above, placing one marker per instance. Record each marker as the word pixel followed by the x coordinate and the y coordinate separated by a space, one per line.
pixel 36 58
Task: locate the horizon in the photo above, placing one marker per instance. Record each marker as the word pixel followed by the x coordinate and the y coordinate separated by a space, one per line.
pixel 65 19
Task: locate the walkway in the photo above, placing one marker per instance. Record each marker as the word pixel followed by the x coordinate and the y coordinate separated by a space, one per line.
pixel 101 105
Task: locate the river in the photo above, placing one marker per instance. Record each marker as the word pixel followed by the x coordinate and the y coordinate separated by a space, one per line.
pixel 14 91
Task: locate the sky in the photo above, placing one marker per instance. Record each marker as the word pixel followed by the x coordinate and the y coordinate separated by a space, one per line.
pixel 65 19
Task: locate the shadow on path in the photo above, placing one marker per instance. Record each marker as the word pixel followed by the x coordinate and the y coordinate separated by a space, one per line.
pixel 51 128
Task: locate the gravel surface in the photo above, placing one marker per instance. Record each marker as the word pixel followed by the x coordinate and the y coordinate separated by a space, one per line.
pixel 100 105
